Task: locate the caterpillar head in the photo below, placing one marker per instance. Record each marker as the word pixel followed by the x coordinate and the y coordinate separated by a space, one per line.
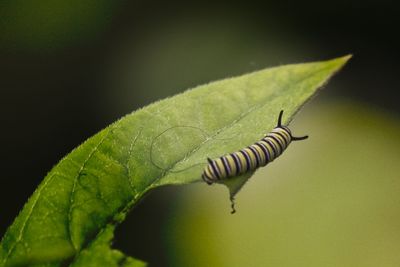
pixel 279 125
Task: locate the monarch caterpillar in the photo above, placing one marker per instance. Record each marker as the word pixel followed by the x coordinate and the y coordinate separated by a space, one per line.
pixel 252 157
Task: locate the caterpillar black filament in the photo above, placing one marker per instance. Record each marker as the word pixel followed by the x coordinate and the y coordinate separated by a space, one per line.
pixel 252 157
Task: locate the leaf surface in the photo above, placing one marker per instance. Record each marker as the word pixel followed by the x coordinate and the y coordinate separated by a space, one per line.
pixel 69 220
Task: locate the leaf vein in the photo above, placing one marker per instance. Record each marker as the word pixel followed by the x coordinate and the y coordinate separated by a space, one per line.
pixel 71 198
pixel 28 217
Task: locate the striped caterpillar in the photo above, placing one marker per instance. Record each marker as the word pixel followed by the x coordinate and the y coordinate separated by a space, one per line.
pixel 252 157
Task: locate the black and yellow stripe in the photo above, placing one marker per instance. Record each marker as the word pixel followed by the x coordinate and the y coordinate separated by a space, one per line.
pixel 252 157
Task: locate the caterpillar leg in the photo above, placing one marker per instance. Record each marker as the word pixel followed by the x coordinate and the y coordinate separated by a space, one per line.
pixel 207 180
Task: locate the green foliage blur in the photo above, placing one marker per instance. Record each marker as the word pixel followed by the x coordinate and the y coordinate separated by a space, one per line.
pixel 69 68
pixel 50 25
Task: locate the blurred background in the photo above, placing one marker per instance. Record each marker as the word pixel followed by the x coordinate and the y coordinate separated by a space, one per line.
pixel 70 68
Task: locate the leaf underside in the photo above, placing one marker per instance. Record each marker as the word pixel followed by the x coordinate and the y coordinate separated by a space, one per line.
pixel 70 218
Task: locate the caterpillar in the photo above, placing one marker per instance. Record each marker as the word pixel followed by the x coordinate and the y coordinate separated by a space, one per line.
pixel 252 157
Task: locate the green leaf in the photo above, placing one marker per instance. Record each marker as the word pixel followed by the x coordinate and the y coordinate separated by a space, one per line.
pixel 70 217
pixel 99 253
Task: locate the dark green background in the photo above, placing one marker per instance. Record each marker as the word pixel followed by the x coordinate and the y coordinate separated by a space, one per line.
pixel 69 68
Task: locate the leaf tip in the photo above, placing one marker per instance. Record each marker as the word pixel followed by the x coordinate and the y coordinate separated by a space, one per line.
pixel 341 61
pixel 346 58
pixel 336 64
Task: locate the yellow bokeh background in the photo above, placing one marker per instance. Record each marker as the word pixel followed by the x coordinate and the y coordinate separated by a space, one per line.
pixel 332 200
